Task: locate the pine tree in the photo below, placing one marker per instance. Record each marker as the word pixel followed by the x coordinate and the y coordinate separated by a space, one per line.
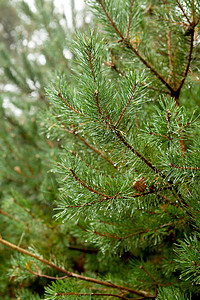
pixel 129 159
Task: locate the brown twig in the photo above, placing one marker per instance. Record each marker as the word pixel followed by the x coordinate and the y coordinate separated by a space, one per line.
pixel 66 102
pixel 24 208
pixel 181 128
pixel 188 61
pixel 99 152
pixel 108 235
pixel 89 53
pixel 148 274
pixel 148 163
pixel 170 55
pixel 83 250
pixel 127 104
pixel 160 135
pixel 101 2
pixel 184 13
pixel 184 168
pixel 74 275
pixel 149 66
pixel 169 187
pixel 96 96
pixel 86 186
pixel 130 19
pixel 10 216
pixel 94 202
pixel 116 237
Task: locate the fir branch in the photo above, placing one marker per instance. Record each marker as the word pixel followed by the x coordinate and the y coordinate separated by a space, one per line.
pixel 79 157
pixel 38 274
pixel 113 66
pixel 101 2
pixel 130 19
pixel 147 230
pixel 127 104
pixel 74 275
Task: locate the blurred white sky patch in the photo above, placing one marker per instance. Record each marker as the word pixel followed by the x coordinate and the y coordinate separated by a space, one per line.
pixel 65 6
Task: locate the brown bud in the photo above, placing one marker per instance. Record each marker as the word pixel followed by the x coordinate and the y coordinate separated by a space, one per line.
pixel 140 185
pixel 18 169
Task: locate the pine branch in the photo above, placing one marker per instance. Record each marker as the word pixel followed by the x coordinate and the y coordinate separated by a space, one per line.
pixel 136 51
pixel 149 66
pixel 101 2
pixel 184 13
pixel 24 208
pixel 170 54
pixel 90 58
pixel 142 231
pixel 95 201
pixel 11 217
pixel 91 294
pixel 96 95
pixel 160 135
pixel 127 104
pixel 174 93
pixel 99 152
pixel 189 59
pixel 96 150
pixel 184 168
pixel 86 186
pixel 148 163
pixel 67 103
pixel 74 275
pixel 130 19
pixel 147 272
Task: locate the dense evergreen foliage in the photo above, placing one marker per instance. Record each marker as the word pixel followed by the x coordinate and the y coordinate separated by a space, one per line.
pixel 121 217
